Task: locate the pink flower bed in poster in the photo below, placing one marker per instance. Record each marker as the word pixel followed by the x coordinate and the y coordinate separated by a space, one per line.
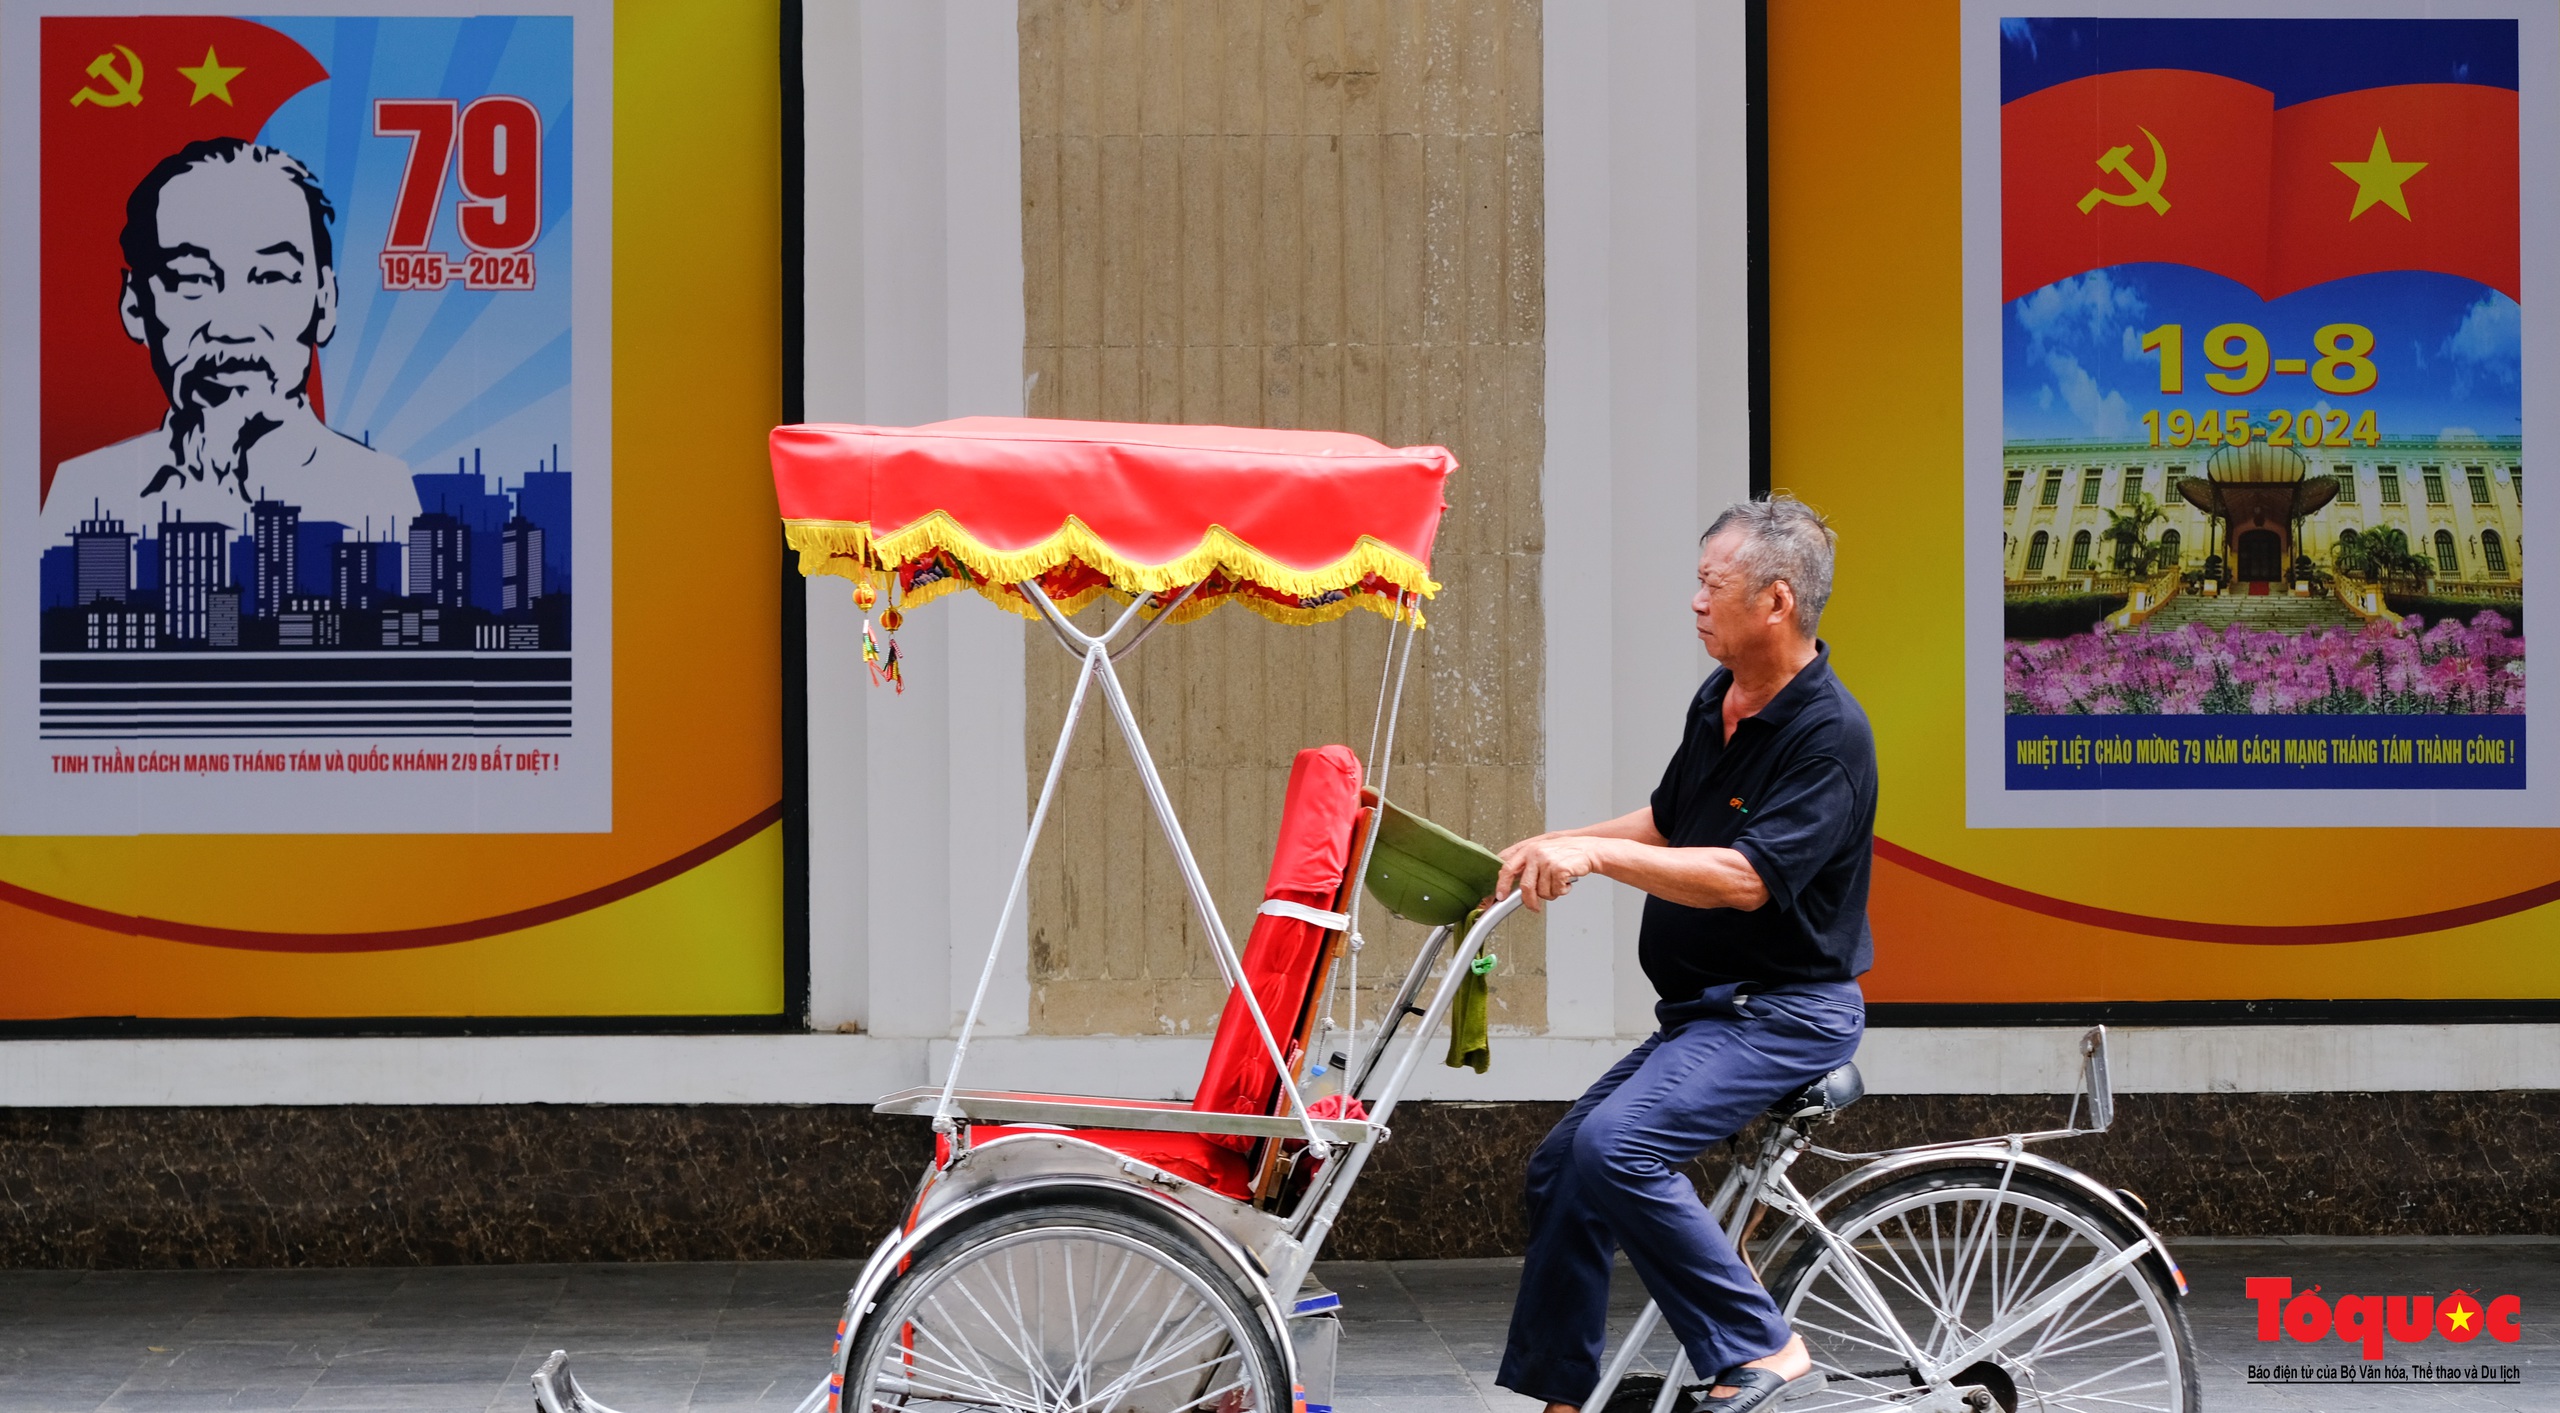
pixel 2400 668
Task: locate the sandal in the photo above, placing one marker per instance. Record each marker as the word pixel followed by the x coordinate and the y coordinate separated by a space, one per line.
pixel 1756 1388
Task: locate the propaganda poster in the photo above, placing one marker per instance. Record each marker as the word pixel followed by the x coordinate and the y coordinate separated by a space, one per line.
pixel 304 479
pixel 2248 415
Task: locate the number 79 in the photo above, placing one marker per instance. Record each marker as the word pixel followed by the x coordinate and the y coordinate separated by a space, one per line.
pixel 501 176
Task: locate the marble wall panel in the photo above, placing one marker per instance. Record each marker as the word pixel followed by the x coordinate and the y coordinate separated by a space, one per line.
pixel 429 1185
pixel 402 1185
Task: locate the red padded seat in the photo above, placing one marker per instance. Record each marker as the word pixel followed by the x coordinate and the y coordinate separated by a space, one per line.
pixel 1308 864
pixel 1196 1156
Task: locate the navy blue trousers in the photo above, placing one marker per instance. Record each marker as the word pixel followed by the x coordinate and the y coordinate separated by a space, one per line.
pixel 1609 1178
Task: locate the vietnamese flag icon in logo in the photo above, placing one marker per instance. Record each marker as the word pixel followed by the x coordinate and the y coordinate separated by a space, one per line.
pixel 120 94
pixel 2198 169
pixel 2458 1317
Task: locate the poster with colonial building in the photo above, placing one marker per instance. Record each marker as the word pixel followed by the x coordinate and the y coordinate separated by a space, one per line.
pixel 2247 418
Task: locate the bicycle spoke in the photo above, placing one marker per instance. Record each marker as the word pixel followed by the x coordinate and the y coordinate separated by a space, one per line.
pixel 1129 1383
pixel 2062 1238
pixel 1803 1324
pixel 1156 1333
pixel 1887 1281
pixel 2055 1352
pixel 1914 1282
pixel 2090 1398
pixel 2040 1279
pixel 2065 1319
pixel 987 1377
pixel 926 1330
pixel 965 1386
pixel 968 1383
pixel 2067 1389
pixel 1007 1331
pixel 1103 1337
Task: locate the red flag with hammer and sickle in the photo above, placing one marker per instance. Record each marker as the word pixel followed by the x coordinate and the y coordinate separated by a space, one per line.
pixel 119 94
pixel 2145 164
pixel 2191 168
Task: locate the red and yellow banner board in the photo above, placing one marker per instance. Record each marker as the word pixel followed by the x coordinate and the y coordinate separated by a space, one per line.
pixel 1994 238
pixel 323 695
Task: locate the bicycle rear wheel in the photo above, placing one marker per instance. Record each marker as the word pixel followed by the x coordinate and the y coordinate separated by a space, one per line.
pixel 1950 1253
pixel 1069 1308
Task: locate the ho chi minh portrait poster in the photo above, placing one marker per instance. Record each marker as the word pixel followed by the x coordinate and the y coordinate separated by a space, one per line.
pixel 2257 348
pixel 304 356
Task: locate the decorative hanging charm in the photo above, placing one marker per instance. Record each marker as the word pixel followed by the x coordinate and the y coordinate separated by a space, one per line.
pixel 891 619
pixel 883 666
pixel 871 652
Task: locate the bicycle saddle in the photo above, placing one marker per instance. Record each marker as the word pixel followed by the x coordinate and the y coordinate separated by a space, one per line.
pixel 1824 1097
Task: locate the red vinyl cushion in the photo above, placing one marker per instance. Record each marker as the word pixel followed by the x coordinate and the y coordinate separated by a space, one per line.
pixel 1307 865
pixel 1187 1155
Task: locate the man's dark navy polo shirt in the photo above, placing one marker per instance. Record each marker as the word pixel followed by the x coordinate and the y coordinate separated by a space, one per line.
pixel 1794 792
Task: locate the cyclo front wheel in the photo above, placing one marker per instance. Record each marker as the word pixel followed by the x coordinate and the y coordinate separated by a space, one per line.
pixel 1952 1252
pixel 1067 1308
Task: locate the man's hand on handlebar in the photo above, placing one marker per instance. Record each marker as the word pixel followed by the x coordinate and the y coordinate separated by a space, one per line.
pixel 1545 867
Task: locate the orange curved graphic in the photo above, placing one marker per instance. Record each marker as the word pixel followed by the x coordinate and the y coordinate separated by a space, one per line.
pixel 2234 933
pixel 443 934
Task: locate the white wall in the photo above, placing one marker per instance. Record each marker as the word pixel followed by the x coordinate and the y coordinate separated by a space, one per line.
pixel 914 314
pixel 1648 426
pixel 856 1069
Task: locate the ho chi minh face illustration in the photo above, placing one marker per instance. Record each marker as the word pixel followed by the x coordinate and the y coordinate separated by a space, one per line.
pixel 231 288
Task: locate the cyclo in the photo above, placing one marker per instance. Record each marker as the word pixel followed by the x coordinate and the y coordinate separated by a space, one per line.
pixel 1075 1254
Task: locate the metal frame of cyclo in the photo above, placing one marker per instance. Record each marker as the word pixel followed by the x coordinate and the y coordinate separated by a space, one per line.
pixel 1098 655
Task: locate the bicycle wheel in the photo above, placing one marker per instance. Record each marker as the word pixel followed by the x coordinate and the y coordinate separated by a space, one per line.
pixel 1950 1254
pixel 1067 1309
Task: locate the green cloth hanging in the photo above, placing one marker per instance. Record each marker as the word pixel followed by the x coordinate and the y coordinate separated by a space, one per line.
pixel 1470 1028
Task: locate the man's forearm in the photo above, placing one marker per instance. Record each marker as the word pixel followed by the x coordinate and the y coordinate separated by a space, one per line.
pixel 1697 878
pixel 1636 826
pixel 1632 851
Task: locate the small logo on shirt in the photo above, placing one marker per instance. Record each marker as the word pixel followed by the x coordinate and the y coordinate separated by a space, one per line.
pixel 1736 802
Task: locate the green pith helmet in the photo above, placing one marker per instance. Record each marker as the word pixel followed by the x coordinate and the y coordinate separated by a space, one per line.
pixel 1426 874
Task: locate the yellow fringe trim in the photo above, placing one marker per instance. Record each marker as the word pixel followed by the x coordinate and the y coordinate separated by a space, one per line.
pixel 853 550
pixel 1198 606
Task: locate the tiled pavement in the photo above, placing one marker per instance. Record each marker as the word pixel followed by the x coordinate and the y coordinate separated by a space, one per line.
pixel 1426 1336
pixel 1419 1337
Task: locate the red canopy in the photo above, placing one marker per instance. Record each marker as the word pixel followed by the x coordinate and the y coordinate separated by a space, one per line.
pixel 1298 526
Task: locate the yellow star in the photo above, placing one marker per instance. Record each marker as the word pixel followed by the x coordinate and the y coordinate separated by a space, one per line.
pixel 212 80
pixel 2460 1317
pixel 2378 178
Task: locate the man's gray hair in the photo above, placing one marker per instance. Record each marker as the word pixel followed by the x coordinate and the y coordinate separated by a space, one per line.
pixel 1783 538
